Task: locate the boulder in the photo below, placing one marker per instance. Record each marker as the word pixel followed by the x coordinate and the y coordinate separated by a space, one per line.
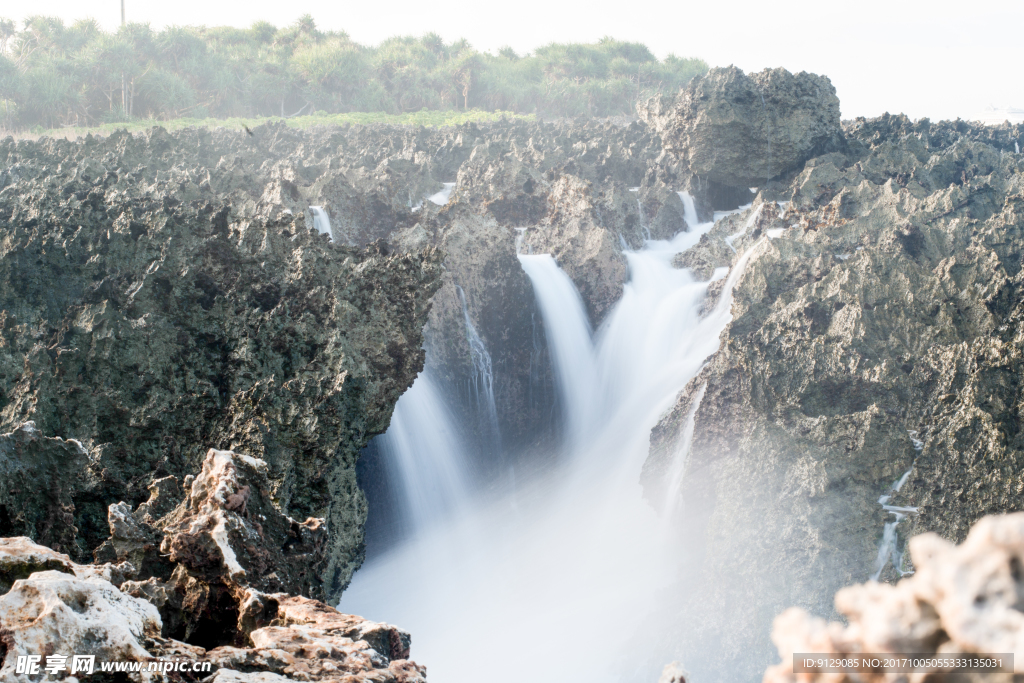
pixel 54 613
pixel 741 129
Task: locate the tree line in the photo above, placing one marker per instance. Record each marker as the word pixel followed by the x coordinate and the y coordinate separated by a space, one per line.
pixel 54 75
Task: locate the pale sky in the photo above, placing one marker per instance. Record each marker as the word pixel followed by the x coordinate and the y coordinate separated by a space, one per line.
pixel 938 58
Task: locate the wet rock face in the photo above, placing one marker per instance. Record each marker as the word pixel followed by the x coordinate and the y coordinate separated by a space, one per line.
pixel 875 331
pixel 741 130
pixel 145 319
pixel 963 600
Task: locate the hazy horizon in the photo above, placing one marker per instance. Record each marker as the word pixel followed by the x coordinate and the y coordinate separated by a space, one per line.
pixel 912 58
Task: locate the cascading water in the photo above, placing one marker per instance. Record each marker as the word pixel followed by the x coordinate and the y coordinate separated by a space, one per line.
pixel 482 381
pixel 888 549
pixel 569 338
pixel 677 471
pixel 689 210
pixel 643 222
pixel 561 580
pixel 442 196
pixel 321 221
pixel 424 454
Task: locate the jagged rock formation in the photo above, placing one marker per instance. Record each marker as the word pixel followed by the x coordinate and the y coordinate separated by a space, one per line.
pixel 562 188
pixel 52 606
pixel 146 320
pixel 224 540
pixel 875 331
pixel 963 600
pixel 742 130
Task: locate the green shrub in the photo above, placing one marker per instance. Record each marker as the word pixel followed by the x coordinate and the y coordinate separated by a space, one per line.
pixel 52 75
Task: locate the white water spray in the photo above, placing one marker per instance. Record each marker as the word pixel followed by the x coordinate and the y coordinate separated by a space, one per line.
pixel 321 221
pixel 562 585
pixel 441 197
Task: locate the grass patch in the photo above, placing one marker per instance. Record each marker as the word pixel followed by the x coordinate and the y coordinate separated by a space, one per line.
pixel 429 119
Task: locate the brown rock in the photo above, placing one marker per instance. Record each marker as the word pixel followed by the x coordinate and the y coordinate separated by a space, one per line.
pixel 963 600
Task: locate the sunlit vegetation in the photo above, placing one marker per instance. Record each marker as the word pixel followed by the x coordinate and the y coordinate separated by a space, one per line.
pixel 53 75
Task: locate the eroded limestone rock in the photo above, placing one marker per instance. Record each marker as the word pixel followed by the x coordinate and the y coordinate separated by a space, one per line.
pixel 963 600
pixel 20 558
pixel 228 529
pixel 52 612
pixel 75 609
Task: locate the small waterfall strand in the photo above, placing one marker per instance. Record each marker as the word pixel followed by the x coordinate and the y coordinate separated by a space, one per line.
pixel 482 381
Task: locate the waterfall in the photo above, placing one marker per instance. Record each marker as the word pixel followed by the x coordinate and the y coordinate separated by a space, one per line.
pixel 441 197
pixel 482 381
pixel 689 210
pixel 321 221
pixel 562 579
pixel 640 209
pixel 569 339
pixel 888 549
pixel 423 451
pixel 677 469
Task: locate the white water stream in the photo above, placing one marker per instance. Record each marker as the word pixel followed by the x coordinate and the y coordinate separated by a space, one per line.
pixel 559 580
pixel 424 453
pixel 482 383
pixel 442 196
pixel 888 549
pixel 321 221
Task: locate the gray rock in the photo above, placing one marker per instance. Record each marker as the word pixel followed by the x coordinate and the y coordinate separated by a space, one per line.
pixel 742 130
pixel 41 476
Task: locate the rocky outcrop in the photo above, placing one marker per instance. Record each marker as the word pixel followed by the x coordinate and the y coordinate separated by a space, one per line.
pixel 73 609
pixel 741 130
pixel 142 316
pixel 202 561
pixel 54 612
pixel 40 476
pixel 964 600
pixel 872 353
